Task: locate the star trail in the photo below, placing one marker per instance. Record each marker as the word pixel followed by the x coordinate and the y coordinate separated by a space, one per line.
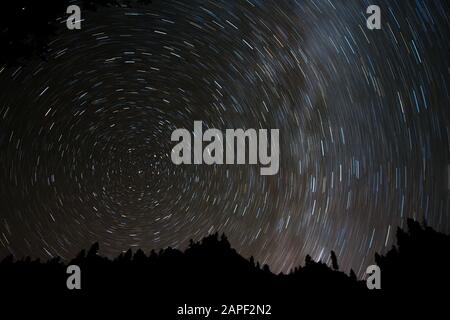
pixel 363 118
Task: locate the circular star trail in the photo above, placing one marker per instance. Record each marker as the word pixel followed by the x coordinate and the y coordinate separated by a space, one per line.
pixel 363 118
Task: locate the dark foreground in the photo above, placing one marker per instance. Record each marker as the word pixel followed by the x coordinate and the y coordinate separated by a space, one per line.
pixel 210 274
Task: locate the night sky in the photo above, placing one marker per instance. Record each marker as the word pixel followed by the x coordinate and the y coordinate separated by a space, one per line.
pixel 363 117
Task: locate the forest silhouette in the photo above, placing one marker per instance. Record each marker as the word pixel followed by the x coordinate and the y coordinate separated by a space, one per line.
pixel 211 271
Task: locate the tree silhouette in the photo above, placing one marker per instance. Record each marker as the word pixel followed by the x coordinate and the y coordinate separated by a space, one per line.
pixel 334 262
pixel 210 270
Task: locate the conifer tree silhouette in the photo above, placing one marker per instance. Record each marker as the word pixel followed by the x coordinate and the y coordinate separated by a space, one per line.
pixel 334 262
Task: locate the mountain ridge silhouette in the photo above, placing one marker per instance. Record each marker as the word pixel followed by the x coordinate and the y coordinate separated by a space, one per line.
pixel 213 257
pixel 211 272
